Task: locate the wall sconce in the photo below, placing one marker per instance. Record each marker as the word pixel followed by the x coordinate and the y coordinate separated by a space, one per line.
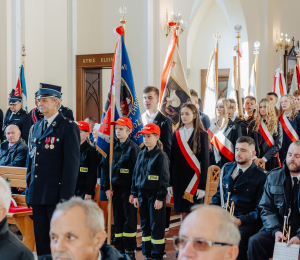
pixel 175 22
pixel 281 42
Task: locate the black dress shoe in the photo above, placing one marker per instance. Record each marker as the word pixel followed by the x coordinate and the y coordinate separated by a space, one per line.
pixel 139 247
pixel 131 255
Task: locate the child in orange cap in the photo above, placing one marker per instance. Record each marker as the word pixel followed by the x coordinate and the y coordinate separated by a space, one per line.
pixel 89 160
pixel 149 189
pixel 125 214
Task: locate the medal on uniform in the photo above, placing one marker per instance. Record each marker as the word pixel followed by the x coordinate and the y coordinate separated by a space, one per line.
pixel 47 142
pixel 52 141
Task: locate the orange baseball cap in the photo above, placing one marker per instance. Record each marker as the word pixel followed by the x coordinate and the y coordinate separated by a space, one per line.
pixel 150 129
pixel 84 126
pixel 123 121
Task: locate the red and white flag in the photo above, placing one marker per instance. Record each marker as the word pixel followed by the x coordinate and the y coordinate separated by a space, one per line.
pixel 279 85
pixel 174 89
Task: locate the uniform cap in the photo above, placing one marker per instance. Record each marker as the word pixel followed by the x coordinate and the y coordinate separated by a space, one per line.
pixel 84 126
pixel 123 121
pixel 14 99
pixel 47 90
pixel 150 129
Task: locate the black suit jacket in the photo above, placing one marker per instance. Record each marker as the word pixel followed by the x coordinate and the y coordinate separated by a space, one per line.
pixel 11 247
pixel 52 173
pixel 166 131
pixel 243 124
pixel 66 112
pixel 246 192
pixel 21 119
pixel 15 156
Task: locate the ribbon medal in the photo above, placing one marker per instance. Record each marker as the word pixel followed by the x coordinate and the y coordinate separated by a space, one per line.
pixel 52 142
pixel 47 142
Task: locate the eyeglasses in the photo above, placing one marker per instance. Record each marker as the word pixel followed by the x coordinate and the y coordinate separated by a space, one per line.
pixel 198 243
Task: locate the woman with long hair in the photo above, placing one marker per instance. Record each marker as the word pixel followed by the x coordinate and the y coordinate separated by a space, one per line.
pixel 266 131
pixel 290 121
pixel 223 134
pixel 189 160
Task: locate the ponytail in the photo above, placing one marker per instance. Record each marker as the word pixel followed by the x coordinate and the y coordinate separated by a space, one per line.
pixel 160 145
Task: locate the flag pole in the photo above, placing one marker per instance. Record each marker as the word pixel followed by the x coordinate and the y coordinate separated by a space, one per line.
pixel 217 38
pixel 235 74
pixel 256 52
pixel 238 29
pixel 122 11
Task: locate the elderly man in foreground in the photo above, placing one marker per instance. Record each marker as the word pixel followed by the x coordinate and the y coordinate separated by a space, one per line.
pixel 208 233
pixel 77 232
pixel 11 248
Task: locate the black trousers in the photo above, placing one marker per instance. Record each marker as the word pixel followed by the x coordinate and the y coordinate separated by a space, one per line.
pixel 261 246
pixel 125 219
pixel 246 232
pixel 41 222
pixel 153 223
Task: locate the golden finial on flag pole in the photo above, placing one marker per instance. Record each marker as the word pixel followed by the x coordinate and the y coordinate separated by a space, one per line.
pixel 217 38
pixel 177 23
pixel 123 13
pixel 238 29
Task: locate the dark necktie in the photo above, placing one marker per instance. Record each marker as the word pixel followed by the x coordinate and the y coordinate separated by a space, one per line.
pixel 295 188
pixel 238 176
pixel 45 126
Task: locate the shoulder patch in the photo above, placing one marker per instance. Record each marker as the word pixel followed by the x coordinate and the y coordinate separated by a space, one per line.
pixel 262 170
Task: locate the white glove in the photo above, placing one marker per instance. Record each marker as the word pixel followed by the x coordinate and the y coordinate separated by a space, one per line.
pixel 200 194
pixel 170 191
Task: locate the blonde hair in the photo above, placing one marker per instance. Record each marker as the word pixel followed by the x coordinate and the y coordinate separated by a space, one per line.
pixel 271 118
pixel 226 104
pixel 159 143
pixel 294 112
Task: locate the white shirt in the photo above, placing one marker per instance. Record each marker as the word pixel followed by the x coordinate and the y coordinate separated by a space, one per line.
pixel 99 257
pixel 146 120
pixel 236 171
pixel 51 119
pixel 187 133
pixel 10 145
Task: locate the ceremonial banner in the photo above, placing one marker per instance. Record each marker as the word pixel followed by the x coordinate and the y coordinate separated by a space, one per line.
pixel 295 80
pixel 279 85
pixel 20 89
pixel 252 83
pixel 210 91
pixel 174 89
pixel 126 102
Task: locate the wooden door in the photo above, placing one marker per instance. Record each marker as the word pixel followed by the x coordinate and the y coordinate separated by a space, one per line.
pixel 93 93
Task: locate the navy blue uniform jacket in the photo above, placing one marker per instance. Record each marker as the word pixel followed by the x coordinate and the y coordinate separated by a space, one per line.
pixel 66 112
pixel 52 173
pixel 21 119
pixel 246 193
pixel 15 156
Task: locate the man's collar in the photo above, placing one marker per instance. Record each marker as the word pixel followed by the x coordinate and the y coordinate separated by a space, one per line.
pixel 51 119
pixel 122 145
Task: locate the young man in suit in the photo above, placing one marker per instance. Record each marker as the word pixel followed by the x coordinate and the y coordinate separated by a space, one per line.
pixel 242 123
pixel 204 118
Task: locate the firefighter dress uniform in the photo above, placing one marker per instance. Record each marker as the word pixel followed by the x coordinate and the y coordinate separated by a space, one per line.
pixel 149 183
pixel 52 168
pixel 125 214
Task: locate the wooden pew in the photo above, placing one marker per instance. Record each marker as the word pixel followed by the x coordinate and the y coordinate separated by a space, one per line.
pixel 17 178
pixel 213 176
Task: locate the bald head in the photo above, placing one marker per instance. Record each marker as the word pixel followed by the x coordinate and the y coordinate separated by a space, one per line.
pixel 12 133
pixel 214 224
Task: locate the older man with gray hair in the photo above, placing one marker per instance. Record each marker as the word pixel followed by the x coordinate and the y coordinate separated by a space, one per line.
pixel 11 248
pixel 208 233
pixel 77 232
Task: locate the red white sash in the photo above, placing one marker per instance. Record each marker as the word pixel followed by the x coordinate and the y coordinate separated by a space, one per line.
pixel 219 140
pixel 33 115
pixel 193 162
pixel 268 137
pixel 287 127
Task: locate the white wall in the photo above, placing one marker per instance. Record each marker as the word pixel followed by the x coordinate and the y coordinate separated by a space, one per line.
pixel 213 21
